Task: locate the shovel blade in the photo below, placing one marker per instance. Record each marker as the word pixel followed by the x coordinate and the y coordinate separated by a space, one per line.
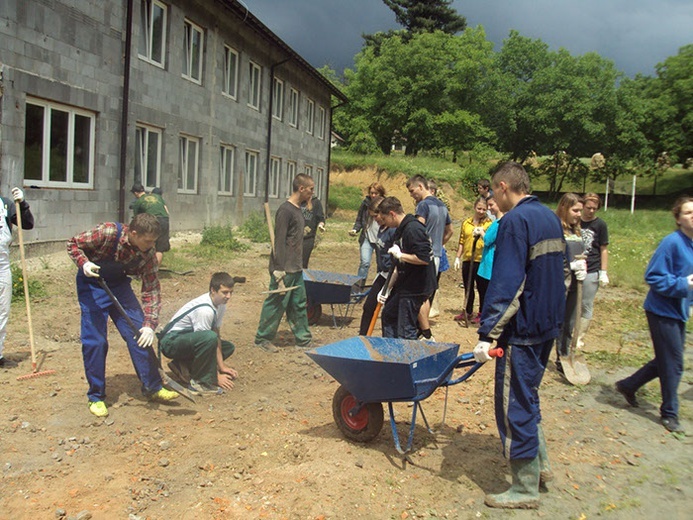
pixel 174 385
pixel 575 370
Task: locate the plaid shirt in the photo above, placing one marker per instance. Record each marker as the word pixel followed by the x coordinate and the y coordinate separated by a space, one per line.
pixel 99 243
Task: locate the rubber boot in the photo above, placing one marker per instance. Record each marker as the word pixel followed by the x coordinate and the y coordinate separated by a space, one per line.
pixel 584 326
pixel 545 473
pixel 524 492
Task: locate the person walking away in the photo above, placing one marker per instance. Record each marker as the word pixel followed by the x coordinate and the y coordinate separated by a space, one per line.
pixel 314 216
pixel 523 313
pixel 192 340
pixel 8 218
pixel 114 252
pixel 595 236
pixel 569 211
pixel 667 307
pixel 368 229
pixel 414 278
pixel 153 204
pixel 285 268
pixel 471 230
pixel 483 273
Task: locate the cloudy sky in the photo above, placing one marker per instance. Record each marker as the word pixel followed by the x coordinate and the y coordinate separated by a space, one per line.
pixel 634 34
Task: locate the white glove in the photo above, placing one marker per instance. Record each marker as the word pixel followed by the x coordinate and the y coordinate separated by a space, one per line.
pixel 321 226
pixel 395 251
pixel 17 195
pixel 579 267
pixel 690 282
pixel 91 270
pixel 279 275
pixel 146 337
pixel 603 279
pixel 456 264
pixel 353 233
pixel 481 352
pixel 382 295
pixel 479 232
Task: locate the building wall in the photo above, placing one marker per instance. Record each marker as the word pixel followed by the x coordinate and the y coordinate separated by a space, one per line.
pixel 70 52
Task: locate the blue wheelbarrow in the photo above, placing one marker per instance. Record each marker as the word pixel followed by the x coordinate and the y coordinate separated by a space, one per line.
pixel 324 287
pixel 373 370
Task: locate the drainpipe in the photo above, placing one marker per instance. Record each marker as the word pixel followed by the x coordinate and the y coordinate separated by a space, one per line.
pixel 329 155
pixel 269 126
pixel 124 117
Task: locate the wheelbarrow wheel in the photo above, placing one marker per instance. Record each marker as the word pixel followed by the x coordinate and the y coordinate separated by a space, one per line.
pixel 362 427
pixel 314 311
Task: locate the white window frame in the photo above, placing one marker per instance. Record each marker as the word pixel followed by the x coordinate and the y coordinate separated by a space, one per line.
pixel 227 169
pixel 310 116
pixel 72 112
pixel 275 177
pixel 190 30
pixel 252 160
pixel 291 169
pixel 185 162
pixel 147 31
pixel 293 107
pixel 309 169
pixel 144 155
pixel 230 86
pixel 278 99
pixel 319 180
pixel 254 85
pixel 321 122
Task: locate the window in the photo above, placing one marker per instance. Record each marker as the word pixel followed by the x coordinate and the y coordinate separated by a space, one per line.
pixel 310 117
pixel 275 172
pixel 188 164
pixel 321 123
pixel 319 180
pixel 230 87
pixel 250 177
pixel 289 179
pixel 293 107
pixel 58 145
pixel 152 46
pixel 148 156
pixel 254 85
pixel 226 169
pixel 192 52
pixel 309 170
pixel 278 99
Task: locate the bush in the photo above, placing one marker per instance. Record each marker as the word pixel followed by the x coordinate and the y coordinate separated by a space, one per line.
pixel 36 288
pixel 221 237
pixel 254 228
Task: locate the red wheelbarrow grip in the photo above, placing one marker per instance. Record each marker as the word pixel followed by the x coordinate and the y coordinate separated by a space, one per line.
pixel 496 352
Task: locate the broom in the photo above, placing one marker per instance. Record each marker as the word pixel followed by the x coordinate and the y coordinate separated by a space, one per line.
pixel 34 367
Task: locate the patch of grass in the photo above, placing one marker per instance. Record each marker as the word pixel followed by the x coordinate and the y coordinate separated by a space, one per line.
pixel 36 288
pixel 175 260
pixel 344 197
pixel 254 228
pixel 221 238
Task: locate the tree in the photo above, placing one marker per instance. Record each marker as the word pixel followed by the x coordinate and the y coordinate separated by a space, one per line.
pixel 427 16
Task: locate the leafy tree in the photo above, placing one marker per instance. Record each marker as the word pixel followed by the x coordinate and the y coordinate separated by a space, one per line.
pixel 427 15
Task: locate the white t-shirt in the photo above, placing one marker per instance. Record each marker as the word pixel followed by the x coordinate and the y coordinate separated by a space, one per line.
pixel 206 317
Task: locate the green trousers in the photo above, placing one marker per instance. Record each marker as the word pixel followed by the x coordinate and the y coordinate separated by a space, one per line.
pixel 198 350
pixel 293 303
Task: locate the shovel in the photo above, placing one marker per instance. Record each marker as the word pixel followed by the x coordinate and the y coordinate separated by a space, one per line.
pixel 378 305
pixel 575 366
pixel 167 381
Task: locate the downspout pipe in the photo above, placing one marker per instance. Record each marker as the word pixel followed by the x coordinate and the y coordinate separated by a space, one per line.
pixel 124 118
pixel 269 126
pixel 329 155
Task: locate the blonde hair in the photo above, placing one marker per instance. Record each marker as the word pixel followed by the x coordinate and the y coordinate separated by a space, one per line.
pixel 568 201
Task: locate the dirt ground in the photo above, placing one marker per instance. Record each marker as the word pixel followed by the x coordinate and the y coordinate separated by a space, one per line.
pixel 270 448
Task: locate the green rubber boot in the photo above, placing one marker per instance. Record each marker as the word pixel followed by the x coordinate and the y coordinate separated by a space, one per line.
pixel 545 473
pixel 524 493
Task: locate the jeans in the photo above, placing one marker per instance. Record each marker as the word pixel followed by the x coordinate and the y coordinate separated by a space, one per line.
pixel 366 253
pixel 589 290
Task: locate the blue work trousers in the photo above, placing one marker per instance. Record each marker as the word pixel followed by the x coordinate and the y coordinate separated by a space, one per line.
pixel 518 376
pixel 401 315
pixel 96 307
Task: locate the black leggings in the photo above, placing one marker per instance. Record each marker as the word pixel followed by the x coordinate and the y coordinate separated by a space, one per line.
pixel 469 291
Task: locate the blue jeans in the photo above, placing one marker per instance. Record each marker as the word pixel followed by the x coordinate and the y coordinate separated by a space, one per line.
pixel 366 253
pixel 669 340
pixel 589 291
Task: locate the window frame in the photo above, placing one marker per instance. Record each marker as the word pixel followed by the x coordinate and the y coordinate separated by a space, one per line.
pixel 291 169
pixel 184 163
pixel 254 89
pixel 319 180
pixel 321 122
pixel 227 173
pixel 188 51
pixel 225 89
pixel 310 116
pixel 278 99
pixel 148 33
pixel 72 112
pixel 246 173
pixel 275 177
pixel 294 107
pixel 144 144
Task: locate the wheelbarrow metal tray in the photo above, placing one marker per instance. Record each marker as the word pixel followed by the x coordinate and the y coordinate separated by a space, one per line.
pixel 327 287
pixel 376 369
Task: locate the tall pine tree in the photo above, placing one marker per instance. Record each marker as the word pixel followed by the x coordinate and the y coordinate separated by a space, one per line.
pixel 427 15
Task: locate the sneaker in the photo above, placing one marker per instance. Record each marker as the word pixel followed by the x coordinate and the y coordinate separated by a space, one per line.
pixel 431 339
pixel 163 395
pixel 461 316
pixel 180 370
pixel 199 388
pixel 98 408
pixel 309 345
pixel 267 346
pixel 630 396
pixel 2 361
pixel 672 424
pixel 477 318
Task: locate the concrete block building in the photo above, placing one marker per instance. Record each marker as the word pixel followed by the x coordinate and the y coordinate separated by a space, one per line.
pixel 196 97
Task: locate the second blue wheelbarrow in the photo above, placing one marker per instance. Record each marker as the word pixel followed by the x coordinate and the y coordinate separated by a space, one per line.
pixel 373 370
pixel 323 287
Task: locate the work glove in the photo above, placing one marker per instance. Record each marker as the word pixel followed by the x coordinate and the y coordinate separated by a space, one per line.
pixel 456 264
pixel 579 267
pixel 382 295
pixel 279 275
pixel 321 226
pixel 146 337
pixel 353 233
pixel 479 232
pixel 395 251
pixel 17 195
pixel 306 230
pixel 603 279
pixel 91 270
pixel 481 352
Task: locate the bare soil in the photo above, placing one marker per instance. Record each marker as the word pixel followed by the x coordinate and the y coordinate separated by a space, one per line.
pixel 270 447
